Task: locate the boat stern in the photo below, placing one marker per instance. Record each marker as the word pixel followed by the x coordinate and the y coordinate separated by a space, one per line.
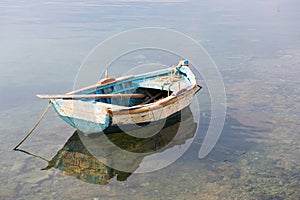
pixel 85 117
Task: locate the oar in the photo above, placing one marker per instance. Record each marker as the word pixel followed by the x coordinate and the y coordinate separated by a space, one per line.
pixel 96 96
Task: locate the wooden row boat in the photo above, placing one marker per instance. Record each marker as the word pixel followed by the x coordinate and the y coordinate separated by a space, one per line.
pixel 124 101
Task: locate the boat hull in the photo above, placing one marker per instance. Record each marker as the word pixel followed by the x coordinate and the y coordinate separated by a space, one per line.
pixel 97 118
pixel 163 93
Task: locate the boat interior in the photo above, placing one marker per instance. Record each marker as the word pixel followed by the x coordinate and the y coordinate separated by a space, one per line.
pixel 153 87
pixel 153 90
pixel 151 95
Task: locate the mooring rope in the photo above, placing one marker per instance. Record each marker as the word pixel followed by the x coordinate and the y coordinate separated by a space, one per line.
pixel 34 127
pixel 31 154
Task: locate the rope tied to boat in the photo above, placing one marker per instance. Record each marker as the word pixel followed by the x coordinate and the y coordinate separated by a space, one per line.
pixel 34 127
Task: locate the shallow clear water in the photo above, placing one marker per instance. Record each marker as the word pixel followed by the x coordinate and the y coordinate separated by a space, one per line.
pixel 256 47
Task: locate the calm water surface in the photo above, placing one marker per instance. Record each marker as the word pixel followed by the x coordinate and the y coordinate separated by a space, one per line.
pixel 256 45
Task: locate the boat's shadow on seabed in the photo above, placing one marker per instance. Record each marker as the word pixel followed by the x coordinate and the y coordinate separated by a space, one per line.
pixel 87 157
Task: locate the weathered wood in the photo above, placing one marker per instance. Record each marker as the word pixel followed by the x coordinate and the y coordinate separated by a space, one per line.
pixel 95 96
pixel 81 110
pixel 152 98
pixel 99 85
pixel 150 113
pixel 159 104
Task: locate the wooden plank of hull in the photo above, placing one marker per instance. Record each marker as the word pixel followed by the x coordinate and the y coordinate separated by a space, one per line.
pixel 153 113
pixel 81 110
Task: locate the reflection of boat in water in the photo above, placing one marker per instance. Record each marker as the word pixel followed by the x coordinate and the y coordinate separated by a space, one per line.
pixel 75 159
